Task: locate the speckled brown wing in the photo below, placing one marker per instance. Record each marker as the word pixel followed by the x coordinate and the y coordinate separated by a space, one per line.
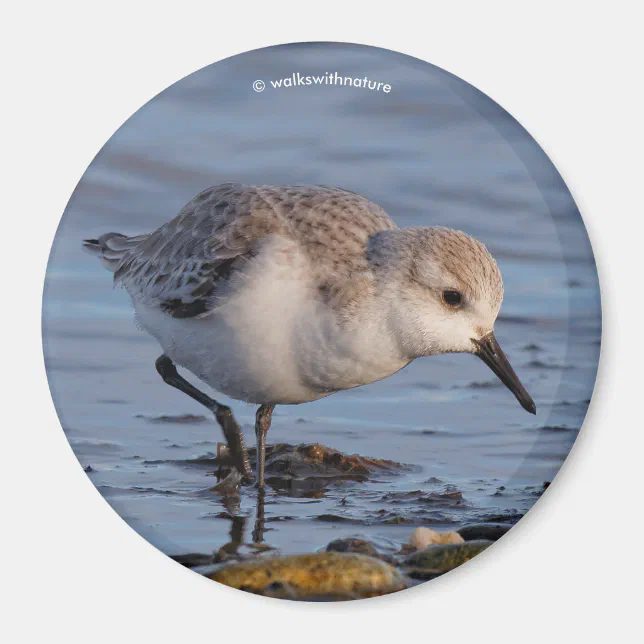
pixel 333 227
pixel 181 265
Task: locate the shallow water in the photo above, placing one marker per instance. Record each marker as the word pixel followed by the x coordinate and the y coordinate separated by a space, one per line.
pixel 433 151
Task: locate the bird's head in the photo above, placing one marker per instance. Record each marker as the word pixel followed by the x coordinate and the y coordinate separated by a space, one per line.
pixel 445 291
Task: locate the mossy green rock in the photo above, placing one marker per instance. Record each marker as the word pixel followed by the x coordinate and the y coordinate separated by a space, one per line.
pixel 346 575
pixel 441 558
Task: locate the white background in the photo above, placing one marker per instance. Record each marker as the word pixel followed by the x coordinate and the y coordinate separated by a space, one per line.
pixel 73 72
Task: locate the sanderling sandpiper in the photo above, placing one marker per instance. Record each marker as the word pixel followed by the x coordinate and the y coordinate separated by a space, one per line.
pixel 278 295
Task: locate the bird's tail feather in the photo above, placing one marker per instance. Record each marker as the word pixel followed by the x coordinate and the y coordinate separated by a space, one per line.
pixel 110 248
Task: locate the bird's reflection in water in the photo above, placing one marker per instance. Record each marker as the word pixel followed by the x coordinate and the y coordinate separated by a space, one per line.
pixel 238 522
pixel 309 471
pixel 236 536
pixel 258 530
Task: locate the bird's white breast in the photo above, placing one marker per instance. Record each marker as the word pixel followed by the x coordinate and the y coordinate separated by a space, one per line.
pixel 272 340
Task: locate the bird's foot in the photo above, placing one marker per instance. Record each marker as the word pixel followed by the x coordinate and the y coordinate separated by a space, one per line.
pixel 247 480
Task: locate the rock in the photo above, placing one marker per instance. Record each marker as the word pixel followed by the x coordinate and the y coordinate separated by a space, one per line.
pixel 313 576
pixel 489 531
pixel 352 545
pixel 422 537
pixel 450 497
pixel 396 519
pixel 335 518
pixel 193 559
pixel 307 469
pixel 508 516
pixel 302 470
pixel 188 419
pixel 279 590
pixel 438 559
pixel 260 547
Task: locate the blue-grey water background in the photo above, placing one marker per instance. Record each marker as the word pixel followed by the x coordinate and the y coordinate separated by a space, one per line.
pixel 432 151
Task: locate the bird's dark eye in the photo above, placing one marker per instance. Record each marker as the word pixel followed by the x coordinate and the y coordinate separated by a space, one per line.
pixel 452 298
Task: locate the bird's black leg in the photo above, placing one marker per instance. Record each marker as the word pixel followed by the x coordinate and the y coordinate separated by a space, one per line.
pixel 262 423
pixel 223 414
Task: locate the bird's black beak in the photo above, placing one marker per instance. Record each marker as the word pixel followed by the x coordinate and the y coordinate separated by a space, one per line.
pixel 488 349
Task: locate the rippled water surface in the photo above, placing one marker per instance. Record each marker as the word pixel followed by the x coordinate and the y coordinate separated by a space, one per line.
pixel 432 151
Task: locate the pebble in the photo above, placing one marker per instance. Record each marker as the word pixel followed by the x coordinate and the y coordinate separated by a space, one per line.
pixel 422 537
pixel 311 576
pixel 490 531
pixel 352 545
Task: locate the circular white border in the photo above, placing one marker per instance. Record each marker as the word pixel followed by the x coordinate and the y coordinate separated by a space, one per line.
pixel 569 74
